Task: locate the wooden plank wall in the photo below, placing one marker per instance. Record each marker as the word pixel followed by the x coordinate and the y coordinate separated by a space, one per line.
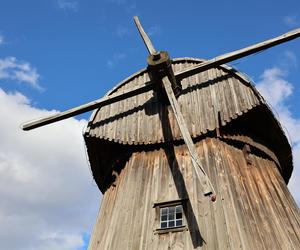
pixel 254 209
pixel 207 95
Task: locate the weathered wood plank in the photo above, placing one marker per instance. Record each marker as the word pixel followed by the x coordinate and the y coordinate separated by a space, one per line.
pixel 207 187
pixel 144 36
pixel 147 115
pixel 239 212
pixel 219 60
pixel 87 107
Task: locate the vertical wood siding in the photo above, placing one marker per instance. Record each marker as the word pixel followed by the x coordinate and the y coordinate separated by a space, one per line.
pixel 253 210
pixel 214 93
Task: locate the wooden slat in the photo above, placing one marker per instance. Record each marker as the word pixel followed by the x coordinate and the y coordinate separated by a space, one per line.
pixel 143 111
pixel 144 36
pixel 86 107
pixel 207 187
pixel 253 210
pixel 219 60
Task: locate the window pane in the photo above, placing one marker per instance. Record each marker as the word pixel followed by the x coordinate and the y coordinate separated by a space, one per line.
pixel 163 225
pixel 179 209
pixel 164 218
pixel 164 210
pixel 178 223
pixel 171 216
pixel 171 223
pixel 171 210
pixel 178 215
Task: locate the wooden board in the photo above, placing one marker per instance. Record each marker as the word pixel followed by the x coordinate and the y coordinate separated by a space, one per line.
pixel 254 209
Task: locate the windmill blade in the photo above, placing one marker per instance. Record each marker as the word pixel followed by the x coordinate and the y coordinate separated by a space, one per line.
pixel 204 180
pixel 144 36
pixel 87 107
pixel 219 60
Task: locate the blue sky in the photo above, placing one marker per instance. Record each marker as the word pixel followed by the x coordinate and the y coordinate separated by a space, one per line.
pixel 57 54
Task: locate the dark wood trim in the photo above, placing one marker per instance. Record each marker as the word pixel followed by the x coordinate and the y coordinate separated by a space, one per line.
pixel 170 203
pixel 171 230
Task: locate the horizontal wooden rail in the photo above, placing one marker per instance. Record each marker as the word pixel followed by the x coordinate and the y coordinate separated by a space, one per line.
pixel 219 60
pixel 87 107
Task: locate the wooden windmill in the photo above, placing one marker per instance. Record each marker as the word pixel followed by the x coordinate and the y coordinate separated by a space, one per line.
pixel 188 155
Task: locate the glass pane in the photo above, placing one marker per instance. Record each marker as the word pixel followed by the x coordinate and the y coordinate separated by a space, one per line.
pixel 163 217
pixel 171 216
pixel 164 210
pixel 171 210
pixel 171 223
pixel 163 225
pixel 179 209
pixel 178 223
pixel 178 215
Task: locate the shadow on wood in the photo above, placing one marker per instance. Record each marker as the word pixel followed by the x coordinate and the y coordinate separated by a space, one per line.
pixel 180 183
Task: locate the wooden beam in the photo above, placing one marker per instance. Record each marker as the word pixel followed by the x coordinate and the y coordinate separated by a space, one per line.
pixel 237 54
pixel 204 180
pixel 87 107
pixel 144 36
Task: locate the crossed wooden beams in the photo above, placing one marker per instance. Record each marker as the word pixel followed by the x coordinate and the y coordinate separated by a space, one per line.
pixel 163 77
pixel 160 70
pixel 217 61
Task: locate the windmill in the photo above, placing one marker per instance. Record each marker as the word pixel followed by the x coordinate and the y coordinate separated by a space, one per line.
pixel 188 155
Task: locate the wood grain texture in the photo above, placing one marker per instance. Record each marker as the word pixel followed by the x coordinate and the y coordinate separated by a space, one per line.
pixel 254 209
pixel 138 159
pixel 209 91
pixel 210 101
pixel 231 56
pixel 200 173
pixel 144 36
pixel 87 107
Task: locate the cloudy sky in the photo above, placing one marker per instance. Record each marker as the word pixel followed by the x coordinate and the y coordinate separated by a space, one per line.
pixel 56 54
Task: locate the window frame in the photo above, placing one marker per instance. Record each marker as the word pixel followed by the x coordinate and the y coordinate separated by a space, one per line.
pixel 170 213
pixel 159 206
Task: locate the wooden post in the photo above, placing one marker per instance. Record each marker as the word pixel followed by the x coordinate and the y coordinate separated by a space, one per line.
pixel 204 180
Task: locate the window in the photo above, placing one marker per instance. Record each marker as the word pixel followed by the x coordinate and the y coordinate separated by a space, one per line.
pixel 171 217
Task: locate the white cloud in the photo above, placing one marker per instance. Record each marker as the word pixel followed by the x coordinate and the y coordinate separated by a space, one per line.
pixel 68 4
pixel 13 69
pixel 291 21
pixel 274 87
pixel 111 63
pixel 48 197
pixel 277 90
